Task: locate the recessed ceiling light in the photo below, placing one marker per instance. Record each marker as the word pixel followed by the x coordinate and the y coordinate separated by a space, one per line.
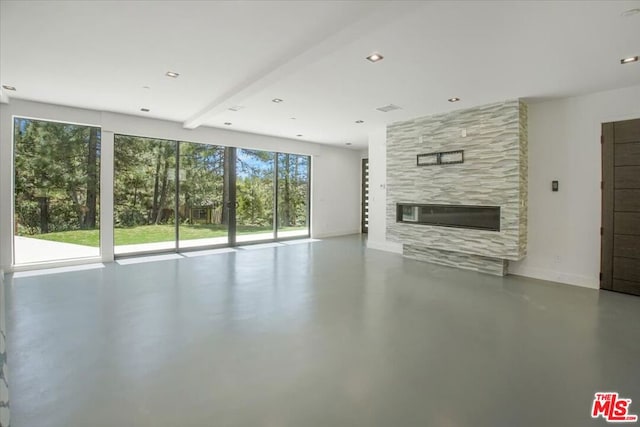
pixel 172 74
pixel 299 135
pixel 359 121
pixel 375 57
pixel 7 87
pixel 629 60
pixel 228 123
pixel 453 99
pixel 276 100
pixel 347 143
pixel 145 110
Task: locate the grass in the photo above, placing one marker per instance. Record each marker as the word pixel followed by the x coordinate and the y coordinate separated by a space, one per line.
pixel 152 234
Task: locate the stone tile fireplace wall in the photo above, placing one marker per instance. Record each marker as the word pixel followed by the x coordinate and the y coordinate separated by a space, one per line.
pixel 494 173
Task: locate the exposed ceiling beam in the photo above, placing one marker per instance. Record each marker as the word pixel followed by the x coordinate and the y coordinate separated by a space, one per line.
pixel 305 54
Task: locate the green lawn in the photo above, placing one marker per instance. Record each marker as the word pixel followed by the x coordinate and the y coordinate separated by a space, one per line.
pixel 151 234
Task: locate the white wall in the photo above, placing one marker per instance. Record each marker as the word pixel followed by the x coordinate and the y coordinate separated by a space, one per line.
pixel 378 193
pixel 564 145
pixel 335 203
pixel 335 171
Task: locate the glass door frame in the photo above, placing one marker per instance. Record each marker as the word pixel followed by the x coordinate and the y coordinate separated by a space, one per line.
pixel 229 205
pixel 276 217
pixel 176 193
pixel 101 170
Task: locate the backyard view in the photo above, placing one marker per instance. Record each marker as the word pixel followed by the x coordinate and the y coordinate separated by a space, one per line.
pixel 57 170
pixel 150 234
pixel 255 191
pixel 160 186
pixel 293 191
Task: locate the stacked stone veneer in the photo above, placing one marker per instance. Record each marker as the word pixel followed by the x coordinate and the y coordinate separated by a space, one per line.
pixel 494 173
pixel 4 382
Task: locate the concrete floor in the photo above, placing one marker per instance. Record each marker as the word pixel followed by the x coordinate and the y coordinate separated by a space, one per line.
pixel 315 334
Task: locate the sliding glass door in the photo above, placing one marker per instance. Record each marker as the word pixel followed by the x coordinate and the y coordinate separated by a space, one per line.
pixel 168 195
pixel 144 195
pixel 201 208
pixel 171 195
pixel 293 195
pixel 56 191
pixel 255 195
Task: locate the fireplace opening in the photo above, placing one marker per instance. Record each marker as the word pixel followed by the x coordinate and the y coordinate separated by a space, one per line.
pixel 459 216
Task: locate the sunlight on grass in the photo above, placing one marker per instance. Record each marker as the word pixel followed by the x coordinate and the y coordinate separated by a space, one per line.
pixel 151 234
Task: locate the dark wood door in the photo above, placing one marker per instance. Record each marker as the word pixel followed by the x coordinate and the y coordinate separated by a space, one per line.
pixel 620 260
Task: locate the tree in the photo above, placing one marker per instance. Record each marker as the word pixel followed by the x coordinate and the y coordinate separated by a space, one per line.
pixel 202 170
pixel 254 185
pixel 56 176
pixel 293 182
pixel 144 181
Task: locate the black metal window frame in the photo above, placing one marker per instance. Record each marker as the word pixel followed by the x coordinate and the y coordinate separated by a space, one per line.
pixel 230 204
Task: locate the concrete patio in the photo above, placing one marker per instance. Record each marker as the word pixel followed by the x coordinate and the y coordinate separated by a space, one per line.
pixel 33 251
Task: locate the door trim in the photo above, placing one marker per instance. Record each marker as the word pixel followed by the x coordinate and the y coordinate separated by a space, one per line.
pixel 606 229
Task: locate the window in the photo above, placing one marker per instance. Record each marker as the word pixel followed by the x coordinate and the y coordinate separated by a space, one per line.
pixel 56 191
pixel 202 218
pixel 144 194
pixel 255 195
pixel 172 195
pixel 293 195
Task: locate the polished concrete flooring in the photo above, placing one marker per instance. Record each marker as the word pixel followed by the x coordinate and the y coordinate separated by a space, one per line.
pixel 325 334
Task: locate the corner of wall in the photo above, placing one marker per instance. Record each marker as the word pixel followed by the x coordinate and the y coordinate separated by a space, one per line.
pixel 377 236
pixel 517 269
pixel 523 177
pixel 335 233
pixel 386 246
pixel 6 135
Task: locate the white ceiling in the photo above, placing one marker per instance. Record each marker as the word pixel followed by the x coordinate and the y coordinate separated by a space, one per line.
pixel 311 54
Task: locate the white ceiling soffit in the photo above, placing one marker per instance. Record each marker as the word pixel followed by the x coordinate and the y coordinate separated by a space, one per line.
pixel 311 54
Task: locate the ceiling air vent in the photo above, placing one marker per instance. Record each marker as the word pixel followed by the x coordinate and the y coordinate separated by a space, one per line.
pixel 388 108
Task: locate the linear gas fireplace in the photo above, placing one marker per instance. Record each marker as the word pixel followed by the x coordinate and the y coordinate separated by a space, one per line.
pixel 460 216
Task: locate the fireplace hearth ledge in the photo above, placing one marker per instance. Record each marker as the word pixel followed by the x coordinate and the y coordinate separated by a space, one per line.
pixel 481 264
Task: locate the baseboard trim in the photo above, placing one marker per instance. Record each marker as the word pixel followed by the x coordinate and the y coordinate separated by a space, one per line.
pixel 557 276
pixel 387 246
pixel 335 234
